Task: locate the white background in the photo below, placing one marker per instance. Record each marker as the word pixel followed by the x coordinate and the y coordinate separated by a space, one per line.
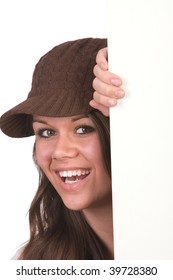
pixel 142 125
pixel 28 29
pixel 143 182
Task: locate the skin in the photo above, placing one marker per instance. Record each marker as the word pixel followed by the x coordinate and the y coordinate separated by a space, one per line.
pixel 107 86
pixel 72 143
pixel 96 203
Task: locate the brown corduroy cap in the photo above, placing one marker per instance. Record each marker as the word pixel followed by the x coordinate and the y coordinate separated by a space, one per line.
pixel 61 86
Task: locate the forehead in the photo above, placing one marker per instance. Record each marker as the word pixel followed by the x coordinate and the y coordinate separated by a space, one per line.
pixel 46 120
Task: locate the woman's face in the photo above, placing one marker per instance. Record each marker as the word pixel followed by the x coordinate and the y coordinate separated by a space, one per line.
pixel 68 151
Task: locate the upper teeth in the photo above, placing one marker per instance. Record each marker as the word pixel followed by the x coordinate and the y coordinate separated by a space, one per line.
pixel 70 173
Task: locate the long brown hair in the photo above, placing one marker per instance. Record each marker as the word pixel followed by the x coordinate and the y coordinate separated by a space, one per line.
pixel 57 232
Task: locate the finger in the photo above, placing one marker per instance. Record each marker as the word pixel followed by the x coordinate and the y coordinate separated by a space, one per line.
pixel 106 76
pixel 101 108
pixel 101 58
pixel 107 90
pixel 104 100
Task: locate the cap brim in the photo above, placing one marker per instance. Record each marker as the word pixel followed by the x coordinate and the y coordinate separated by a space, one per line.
pixel 17 122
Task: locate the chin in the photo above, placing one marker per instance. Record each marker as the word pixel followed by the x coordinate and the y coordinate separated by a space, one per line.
pixel 75 206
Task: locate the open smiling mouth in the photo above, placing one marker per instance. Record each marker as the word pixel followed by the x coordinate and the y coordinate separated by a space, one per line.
pixel 73 176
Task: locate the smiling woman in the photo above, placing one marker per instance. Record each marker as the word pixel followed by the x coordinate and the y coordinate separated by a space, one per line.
pixel 73 156
pixel 69 152
pixel 71 214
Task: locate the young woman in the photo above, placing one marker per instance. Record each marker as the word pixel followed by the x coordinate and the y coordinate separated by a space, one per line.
pixel 71 214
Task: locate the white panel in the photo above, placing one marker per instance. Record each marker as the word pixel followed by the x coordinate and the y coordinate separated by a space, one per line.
pixel 141 52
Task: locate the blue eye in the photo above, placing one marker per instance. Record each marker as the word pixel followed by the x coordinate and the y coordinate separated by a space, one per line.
pixel 46 133
pixel 84 129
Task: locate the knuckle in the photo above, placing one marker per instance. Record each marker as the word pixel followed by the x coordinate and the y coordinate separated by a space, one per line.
pixel 95 69
pixel 97 97
pixel 94 83
pixel 99 56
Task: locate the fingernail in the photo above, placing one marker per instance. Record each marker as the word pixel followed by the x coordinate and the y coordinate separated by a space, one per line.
pixel 116 82
pixel 119 93
pixel 112 102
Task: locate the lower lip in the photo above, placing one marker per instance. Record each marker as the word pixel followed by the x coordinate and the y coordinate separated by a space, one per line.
pixel 72 187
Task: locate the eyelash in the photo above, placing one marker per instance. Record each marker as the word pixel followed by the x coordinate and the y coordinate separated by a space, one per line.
pixel 88 129
pixel 43 130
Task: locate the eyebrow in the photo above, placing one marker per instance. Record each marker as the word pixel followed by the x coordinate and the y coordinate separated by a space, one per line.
pixel 75 118
pixel 79 117
pixel 39 121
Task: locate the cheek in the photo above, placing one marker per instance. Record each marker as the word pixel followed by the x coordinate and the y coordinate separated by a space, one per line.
pixel 92 150
pixel 43 155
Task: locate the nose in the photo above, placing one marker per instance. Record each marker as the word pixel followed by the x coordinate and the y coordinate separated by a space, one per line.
pixel 64 148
